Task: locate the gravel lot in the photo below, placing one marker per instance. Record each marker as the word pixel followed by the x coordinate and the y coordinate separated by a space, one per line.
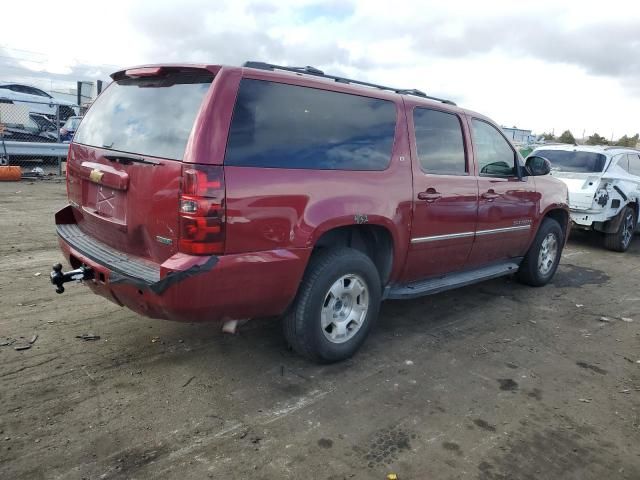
pixel 493 381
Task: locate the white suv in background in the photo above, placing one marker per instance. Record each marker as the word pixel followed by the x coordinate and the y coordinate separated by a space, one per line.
pixel 45 103
pixel 604 188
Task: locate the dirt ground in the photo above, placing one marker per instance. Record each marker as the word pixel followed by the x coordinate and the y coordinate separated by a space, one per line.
pixel 492 381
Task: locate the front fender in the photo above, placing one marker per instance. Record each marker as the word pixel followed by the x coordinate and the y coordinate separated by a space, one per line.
pixel 554 196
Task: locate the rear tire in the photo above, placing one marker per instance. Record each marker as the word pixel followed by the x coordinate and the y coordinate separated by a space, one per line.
pixel 620 240
pixel 541 262
pixel 337 305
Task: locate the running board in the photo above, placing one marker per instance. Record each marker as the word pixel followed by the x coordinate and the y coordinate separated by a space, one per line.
pixel 453 280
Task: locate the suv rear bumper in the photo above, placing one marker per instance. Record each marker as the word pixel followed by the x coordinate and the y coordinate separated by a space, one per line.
pixel 146 274
pixel 189 288
pixel 586 218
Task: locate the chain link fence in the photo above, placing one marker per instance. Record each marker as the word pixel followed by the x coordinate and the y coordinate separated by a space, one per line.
pixel 35 135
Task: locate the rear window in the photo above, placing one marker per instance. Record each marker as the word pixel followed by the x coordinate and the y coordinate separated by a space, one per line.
pixel 580 162
pixel 287 126
pixel 149 116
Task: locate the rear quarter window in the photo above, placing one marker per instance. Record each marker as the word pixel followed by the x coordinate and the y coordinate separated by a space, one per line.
pixel 276 125
pixel 634 164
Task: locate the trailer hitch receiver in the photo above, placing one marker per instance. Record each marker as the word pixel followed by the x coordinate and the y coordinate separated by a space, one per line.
pixel 59 278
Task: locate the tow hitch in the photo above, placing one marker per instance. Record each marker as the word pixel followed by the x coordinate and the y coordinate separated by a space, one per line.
pixel 58 277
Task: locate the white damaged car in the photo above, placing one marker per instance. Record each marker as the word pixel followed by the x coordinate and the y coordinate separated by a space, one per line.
pixel 604 188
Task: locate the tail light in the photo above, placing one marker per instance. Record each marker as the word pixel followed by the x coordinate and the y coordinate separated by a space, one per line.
pixel 202 210
pixel 66 172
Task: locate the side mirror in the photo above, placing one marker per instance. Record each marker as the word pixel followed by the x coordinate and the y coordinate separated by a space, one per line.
pixel 536 166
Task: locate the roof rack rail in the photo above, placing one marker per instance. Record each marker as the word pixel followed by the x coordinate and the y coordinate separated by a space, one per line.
pixel 619 147
pixel 319 73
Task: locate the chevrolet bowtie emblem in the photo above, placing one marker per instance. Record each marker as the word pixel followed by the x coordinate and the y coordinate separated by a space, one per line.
pixel 96 175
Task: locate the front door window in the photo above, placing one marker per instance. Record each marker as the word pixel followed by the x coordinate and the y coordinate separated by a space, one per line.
pixel 495 156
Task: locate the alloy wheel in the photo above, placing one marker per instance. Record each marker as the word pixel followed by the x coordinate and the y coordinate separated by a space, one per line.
pixel 627 229
pixel 344 309
pixel 548 254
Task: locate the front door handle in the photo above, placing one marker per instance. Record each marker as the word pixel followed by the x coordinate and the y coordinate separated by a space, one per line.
pixel 490 195
pixel 430 195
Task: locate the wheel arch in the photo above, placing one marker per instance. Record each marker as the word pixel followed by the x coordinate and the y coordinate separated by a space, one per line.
pixel 612 225
pixel 636 206
pixel 374 240
pixel 561 216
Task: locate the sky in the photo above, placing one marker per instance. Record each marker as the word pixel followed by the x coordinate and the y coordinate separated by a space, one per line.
pixel 547 65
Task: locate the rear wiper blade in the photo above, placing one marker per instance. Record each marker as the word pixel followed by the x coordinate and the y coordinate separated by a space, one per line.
pixel 125 158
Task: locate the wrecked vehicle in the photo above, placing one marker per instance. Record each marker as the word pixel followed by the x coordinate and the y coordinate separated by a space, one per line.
pixel 604 188
pixel 259 191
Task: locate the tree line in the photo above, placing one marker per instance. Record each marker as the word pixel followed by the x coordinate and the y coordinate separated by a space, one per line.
pixel 595 139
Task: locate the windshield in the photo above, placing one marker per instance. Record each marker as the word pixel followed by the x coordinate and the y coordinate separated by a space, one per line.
pixel 42 122
pixel 575 161
pixel 149 116
pixel 72 123
pixel 32 125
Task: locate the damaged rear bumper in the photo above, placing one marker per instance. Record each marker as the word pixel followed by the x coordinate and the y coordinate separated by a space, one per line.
pixel 584 219
pixel 125 268
pixel 186 288
pixel 606 220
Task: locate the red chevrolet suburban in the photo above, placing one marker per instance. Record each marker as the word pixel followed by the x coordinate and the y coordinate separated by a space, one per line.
pixel 207 192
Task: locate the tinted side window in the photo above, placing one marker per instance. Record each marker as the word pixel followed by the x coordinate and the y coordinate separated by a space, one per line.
pixel 287 126
pixel 439 142
pixel 494 155
pixel 623 162
pixel 35 91
pixel 634 164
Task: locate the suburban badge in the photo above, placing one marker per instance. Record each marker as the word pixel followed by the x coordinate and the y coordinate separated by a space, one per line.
pixel 164 240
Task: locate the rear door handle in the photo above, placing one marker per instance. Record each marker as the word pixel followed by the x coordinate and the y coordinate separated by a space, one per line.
pixel 430 195
pixel 490 195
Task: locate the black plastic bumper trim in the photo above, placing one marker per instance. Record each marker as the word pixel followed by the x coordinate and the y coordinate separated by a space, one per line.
pixel 617 189
pixel 125 269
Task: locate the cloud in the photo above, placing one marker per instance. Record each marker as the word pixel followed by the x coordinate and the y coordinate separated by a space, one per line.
pixel 34 72
pixel 357 35
pixel 12 69
pixel 518 61
pixel 484 55
pixel 611 48
pixel 233 34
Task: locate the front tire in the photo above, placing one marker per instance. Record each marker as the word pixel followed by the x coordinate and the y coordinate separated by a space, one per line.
pixel 337 305
pixel 620 240
pixel 541 262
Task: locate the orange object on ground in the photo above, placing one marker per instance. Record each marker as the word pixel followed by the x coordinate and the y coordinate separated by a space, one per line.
pixel 11 173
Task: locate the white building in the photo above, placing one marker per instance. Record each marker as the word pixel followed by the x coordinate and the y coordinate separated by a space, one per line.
pixel 519 136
